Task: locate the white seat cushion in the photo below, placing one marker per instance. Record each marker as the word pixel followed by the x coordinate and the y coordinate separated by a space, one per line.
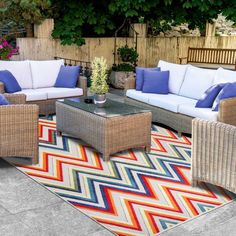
pixel 33 94
pixel 196 82
pixel 44 73
pixel 137 95
pixel 20 70
pixel 224 76
pixel 203 113
pixel 169 101
pixel 177 73
pixel 61 92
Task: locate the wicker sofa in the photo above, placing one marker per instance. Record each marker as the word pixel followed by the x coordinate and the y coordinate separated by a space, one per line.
pixel 214 154
pixel 19 128
pixel 187 84
pixel 37 78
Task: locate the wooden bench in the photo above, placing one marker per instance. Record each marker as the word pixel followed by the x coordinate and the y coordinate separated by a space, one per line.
pixel 211 57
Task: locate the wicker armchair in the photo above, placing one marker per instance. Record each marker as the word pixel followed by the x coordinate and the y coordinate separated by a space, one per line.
pixel 19 128
pixel 214 154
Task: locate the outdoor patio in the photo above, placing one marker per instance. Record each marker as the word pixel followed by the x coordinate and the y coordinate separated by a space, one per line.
pixel 117 118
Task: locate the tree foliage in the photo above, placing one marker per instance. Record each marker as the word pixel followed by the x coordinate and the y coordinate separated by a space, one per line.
pixel 77 19
pixel 23 12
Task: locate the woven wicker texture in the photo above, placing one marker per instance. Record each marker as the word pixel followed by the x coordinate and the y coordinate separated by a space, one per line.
pixel 2 87
pixel 227 111
pixel 214 154
pixel 107 135
pixel 19 129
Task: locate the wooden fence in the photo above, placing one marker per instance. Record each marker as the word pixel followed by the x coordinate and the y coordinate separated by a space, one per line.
pixel 150 50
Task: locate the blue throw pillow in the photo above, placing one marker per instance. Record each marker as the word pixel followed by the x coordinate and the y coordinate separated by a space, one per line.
pixel 228 91
pixel 156 82
pixel 208 98
pixel 139 76
pixel 3 100
pixel 10 83
pixel 67 77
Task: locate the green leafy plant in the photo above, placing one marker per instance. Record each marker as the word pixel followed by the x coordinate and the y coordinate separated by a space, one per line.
pixel 77 19
pixel 127 54
pixel 25 12
pixel 123 67
pixel 99 76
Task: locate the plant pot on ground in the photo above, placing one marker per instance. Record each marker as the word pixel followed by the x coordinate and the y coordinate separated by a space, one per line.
pixel 99 84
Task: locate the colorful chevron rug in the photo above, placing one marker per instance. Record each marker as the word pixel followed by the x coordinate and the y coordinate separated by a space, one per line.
pixel 133 194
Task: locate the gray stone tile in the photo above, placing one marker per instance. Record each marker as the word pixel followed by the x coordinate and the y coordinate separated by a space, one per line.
pixel 102 233
pixel 60 219
pixel 224 228
pixel 9 173
pixel 207 223
pixel 12 226
pixel 22 194
pixel 176 231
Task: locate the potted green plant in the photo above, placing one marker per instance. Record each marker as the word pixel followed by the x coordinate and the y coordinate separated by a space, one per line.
pixel 128 55
pixel 99 84
pixel 128 58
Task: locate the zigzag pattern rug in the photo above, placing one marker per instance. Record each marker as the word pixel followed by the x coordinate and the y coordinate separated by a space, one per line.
pixel 133 194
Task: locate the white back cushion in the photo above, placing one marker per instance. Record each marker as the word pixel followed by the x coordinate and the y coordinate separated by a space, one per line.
pixel 196 82
pixel 224 76
pixel 20 70
pixel 177 73
pixel 44 73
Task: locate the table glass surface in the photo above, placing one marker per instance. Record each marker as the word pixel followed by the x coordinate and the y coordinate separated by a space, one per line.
pixel 111 108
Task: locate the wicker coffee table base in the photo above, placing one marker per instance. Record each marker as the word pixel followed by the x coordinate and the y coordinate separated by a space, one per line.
pixel 106 135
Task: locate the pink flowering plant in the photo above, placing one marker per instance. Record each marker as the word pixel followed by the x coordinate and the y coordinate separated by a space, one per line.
pixel 6 50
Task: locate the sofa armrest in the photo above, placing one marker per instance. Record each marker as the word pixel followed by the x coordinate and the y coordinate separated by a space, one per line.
pixel 15 98
pixel 213 153
pixel 227 111
pixel 129 83
pixel 2 90
pixel 83 84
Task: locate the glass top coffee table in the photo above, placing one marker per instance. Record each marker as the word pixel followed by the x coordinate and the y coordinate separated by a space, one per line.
pixel 111 129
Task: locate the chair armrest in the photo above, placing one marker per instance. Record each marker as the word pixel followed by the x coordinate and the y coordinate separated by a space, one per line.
pixel 83 84
pixel 181 59
pixel 23 113
pixel 2 90
pixel 19 126
pixel 129 83
pixel 15 98
pixel 227 111
pixel 213 153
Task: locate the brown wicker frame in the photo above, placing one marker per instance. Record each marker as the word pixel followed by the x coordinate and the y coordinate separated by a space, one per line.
pixel 47 107
pixel 19 128
pixel 106 135
pixel 214 154
pixel 180 122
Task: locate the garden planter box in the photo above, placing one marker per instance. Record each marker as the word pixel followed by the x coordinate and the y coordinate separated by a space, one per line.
pixel 117 78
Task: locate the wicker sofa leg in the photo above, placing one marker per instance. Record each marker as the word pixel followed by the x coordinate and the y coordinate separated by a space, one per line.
pixel 179 133
pixel 148 149
pixel 35 159
pixel 194 183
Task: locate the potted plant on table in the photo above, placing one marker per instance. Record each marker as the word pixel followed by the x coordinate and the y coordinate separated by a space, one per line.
pixel 128 58
pixel 99 84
